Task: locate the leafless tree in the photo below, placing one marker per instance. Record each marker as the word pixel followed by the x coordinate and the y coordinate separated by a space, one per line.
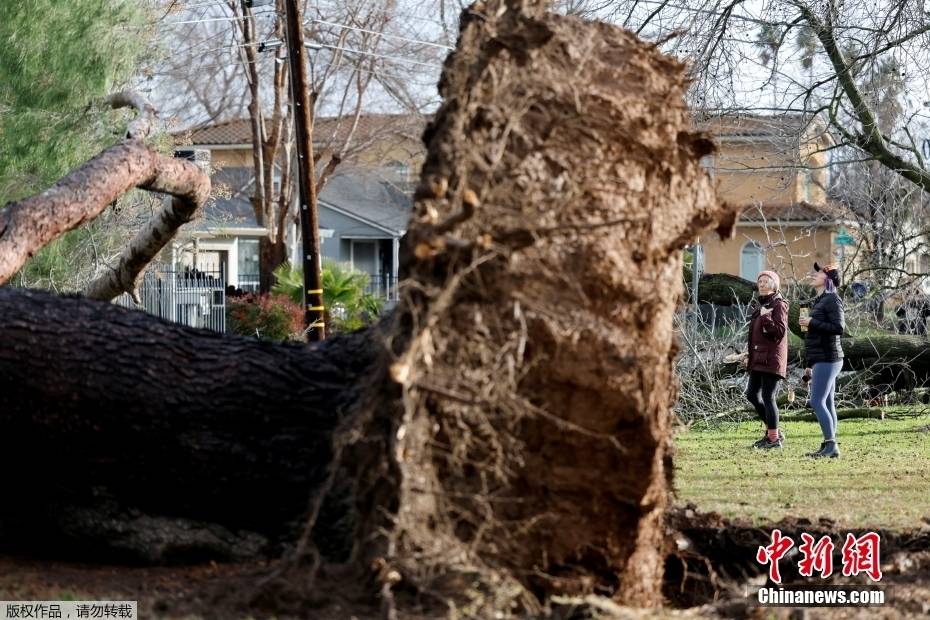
pixel 366 57
pixel 860 68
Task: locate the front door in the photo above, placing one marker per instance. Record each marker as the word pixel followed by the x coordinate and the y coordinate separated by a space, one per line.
pixel 365 257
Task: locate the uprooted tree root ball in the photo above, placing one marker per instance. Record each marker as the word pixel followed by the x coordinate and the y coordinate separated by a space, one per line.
pixel 532 350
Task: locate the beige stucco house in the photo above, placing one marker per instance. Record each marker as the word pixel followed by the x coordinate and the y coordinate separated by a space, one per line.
pixel 777 169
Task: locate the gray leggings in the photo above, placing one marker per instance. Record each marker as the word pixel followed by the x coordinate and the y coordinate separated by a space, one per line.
pixel 823 388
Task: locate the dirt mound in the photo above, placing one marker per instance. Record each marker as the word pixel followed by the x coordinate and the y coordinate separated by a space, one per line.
pixel 713 564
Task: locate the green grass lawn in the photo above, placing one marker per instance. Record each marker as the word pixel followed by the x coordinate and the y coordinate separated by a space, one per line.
pixel 882 478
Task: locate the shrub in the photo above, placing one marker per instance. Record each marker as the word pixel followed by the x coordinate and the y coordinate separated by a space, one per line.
pixel 348 306
pixel 266 317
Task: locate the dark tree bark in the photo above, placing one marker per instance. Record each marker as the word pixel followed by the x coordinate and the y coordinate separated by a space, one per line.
pixel 272 254
pixel 109 413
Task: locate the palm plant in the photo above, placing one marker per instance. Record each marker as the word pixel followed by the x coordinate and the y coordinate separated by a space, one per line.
pixel 348 305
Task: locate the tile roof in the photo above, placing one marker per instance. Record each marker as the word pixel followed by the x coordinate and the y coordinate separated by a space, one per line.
pixel 794 212
pixel 756 125
pixel 239 131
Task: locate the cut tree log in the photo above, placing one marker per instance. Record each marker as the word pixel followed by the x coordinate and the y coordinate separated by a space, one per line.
pixel 896 361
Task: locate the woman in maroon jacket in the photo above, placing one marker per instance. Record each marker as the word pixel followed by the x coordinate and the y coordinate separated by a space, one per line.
pixel 767 358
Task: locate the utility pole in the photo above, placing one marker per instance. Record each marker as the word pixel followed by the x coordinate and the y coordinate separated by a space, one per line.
pixel 306 176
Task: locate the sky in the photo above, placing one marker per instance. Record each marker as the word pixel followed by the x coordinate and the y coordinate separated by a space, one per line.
pixel 742 80
pixel 200 42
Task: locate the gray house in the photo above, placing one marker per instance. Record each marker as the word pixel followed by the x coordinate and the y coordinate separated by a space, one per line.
pixel 362 212
pixel 224 239
pixel 363 208
pixel 363 215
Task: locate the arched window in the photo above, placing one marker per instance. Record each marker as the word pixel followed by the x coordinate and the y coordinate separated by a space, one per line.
pixel 752 261
pixel 398 171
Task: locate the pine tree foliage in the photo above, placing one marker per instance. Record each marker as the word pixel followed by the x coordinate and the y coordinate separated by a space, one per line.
pixel 57 59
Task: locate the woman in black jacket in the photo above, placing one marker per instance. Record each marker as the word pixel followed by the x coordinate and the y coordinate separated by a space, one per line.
pixel 825 324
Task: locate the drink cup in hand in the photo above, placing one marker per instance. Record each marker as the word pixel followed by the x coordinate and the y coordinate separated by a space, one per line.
pixel 803 314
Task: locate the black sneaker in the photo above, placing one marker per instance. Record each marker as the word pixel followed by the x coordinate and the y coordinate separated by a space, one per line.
pixel 765 444
pixel 765 439
pixel 829 451
pixel 817 452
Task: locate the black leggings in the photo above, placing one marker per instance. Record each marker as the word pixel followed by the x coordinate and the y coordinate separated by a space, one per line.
pixel 761 395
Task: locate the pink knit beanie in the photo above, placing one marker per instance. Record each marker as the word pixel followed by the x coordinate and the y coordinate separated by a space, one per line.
pixel 774 276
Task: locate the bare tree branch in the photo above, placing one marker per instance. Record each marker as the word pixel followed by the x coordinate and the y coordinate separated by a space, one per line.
pixel 141 126
pixel 29 225
pixel 870 139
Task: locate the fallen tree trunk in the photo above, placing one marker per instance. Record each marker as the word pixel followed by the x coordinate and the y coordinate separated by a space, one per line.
pixel 109 414
pixel 895 361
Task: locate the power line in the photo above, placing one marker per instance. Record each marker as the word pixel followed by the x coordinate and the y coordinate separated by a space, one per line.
pixel 218 19
pixel 396 13
pixel 268 45
pixel 405 78
pixel 382 34
pixel 321 21
pixel 375 55
pixel 189 7
pixel 264 45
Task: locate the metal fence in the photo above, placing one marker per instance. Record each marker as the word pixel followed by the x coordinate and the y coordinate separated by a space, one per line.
pixel 248 282
pixel 187 296
pixel 383 285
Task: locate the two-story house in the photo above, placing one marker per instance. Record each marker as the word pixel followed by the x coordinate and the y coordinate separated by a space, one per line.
pixel 777 169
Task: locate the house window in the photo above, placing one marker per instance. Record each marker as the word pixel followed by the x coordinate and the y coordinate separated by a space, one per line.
pixel 248 264
pixel 398 171
pixel 807 185
pixel 752 261
pixel 708 163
